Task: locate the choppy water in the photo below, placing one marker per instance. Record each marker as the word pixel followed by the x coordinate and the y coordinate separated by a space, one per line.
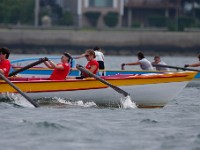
pixel 86 126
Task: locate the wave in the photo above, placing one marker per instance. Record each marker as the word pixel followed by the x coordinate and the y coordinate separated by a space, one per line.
pixel 18 100
pixel 127 103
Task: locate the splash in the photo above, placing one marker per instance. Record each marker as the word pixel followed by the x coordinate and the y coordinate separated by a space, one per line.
pixel 126 103
pixel 77 103
pixel 19 100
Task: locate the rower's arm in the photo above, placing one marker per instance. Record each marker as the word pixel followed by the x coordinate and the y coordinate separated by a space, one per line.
pixel 47 64
pixel 59 67
pixel 194 65
pixel 2 72
pixel 93 68
pixel 82 55
pixel 133 63
pixel 53 65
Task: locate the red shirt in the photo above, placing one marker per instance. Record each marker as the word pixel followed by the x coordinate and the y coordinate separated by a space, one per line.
pixel 5 66
pixel 60 74
pixel 88 66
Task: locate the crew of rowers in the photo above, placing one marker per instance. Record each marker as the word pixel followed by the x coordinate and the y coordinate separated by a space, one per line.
pixel 95 60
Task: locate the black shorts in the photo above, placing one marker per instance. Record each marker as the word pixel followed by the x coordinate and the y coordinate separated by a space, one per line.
pixel 101 65
pixel 80 77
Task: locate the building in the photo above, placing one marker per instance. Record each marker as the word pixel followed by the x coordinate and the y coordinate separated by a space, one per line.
pixel 128 11
pixel 140 10
pixel 79 8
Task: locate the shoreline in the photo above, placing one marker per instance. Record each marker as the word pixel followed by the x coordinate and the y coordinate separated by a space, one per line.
pixel 112 42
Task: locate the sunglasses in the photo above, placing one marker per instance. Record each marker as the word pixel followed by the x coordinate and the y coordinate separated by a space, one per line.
pixel 87 55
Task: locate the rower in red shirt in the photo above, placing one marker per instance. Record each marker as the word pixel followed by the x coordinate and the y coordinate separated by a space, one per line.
pixel 92 64
pixel 61 70
pixel 4 62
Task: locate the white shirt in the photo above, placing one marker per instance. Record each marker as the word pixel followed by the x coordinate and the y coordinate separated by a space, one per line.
pixel 162 68
pixel 145 64
pixel 99 56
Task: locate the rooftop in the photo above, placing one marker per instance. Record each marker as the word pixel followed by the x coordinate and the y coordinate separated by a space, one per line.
pixel 150 3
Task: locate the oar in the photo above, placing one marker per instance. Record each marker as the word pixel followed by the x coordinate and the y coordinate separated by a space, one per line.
pixel 41 60
pixel 119 90
pixel 174 67
pixel 31 59
pixel 19 91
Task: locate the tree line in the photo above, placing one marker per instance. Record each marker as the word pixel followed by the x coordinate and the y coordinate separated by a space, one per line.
pixel 22 12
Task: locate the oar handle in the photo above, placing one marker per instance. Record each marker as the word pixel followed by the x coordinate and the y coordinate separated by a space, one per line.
pixel 18 90
pixel 175 67
pixel 41 60
pixel 119 90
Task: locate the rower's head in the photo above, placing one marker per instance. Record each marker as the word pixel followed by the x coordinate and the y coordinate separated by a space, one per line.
pixel 140 55
pixel 66 57
pixel 96 48
pixel 5 52
pixel 90 54
pixel 157 59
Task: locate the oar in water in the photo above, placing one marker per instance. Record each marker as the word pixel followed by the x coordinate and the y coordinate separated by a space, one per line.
pixel 119 90
pixel 41 60
pixel 175 67
pixel 19 91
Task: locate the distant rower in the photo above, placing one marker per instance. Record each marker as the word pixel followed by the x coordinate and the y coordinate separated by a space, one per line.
pixel 193 65
pixel 142 61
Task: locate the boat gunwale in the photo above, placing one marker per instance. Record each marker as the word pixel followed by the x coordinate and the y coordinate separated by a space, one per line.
pixel 107 78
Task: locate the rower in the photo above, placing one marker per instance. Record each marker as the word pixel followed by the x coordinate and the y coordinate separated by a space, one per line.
pixel 158 61
pixel 4 62
pixel 92 65
pixel 62 69
pixel 193 65
pixel 142 61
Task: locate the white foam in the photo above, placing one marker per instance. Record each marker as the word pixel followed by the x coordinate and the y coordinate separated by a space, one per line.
pixel 18 99
pixel 126 103
pixel 77 103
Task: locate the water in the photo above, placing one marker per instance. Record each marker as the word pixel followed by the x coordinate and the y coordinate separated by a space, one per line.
pixel 86 126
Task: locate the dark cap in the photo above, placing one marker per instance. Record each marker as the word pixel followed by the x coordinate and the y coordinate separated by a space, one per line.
pixel 68 55
pixel 96 48
pixel 5 50
pixel 140 55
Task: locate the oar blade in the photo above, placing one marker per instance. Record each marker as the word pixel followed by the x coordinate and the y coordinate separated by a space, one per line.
pixel 19 91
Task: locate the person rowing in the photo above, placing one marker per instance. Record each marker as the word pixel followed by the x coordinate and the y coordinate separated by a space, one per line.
pixel 193 65
pixel 158 61
pixel 4 62
pixel 92 65
pixel 62 69
pixel 99 57
pixel 142 61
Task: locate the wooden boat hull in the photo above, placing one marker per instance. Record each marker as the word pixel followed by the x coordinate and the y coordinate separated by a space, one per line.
pixel 145 90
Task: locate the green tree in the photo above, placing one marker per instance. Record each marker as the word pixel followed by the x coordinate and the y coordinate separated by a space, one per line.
pixel 14 11
pixel 111 19
pixel 93 17
pixel 67 19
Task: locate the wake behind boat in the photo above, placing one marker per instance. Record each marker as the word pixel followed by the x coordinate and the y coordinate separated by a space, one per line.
pixel 149 90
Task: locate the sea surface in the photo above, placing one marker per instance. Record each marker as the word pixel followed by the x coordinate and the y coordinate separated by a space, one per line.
pixel 78 126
